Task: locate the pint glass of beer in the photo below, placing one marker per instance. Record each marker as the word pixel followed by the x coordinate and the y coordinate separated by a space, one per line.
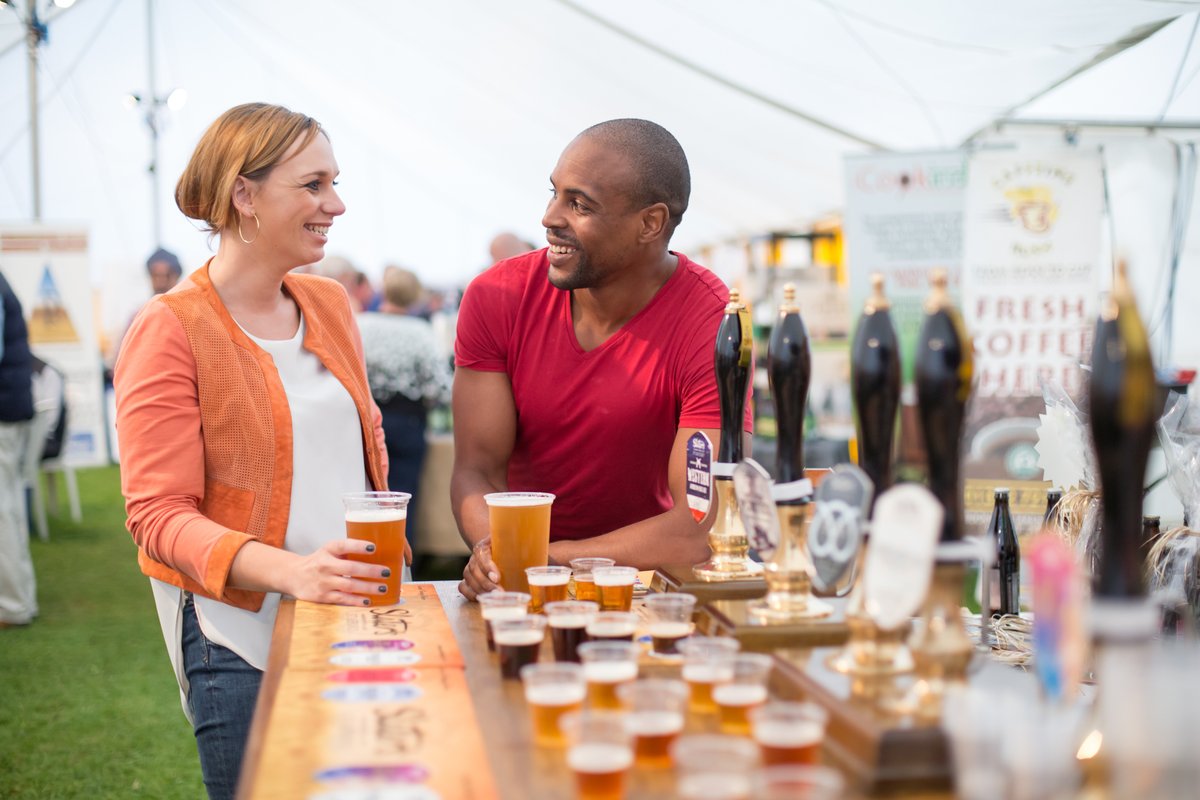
pixel 546 585
pixel 707 661
pixel 607 665
pixel 520 528
pixel 655 717
pixel 518 642
pixel 599 752
pixel 497 605
pixel 714 766
pixel 552 690
pixel 670 621
pixel 379 518
pixel 789 733
pixel 612 626
pixel 744 691
pixel 615 587
pixel 568 621
pixel 581 570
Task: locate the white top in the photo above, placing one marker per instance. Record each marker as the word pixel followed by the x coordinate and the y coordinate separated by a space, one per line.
pixel 327 460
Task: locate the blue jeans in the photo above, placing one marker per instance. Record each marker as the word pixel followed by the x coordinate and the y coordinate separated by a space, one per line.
pixel 224 689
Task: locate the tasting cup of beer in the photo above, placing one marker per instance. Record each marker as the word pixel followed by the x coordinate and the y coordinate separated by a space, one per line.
pixel 379 518
pixel 568 621
pixel 615 587
pixel 789 734
pixel 800 783
pixel 581 573
pixel 745 690
pixel 518 642
pixel 612 626
pixel 546 585
pixel 655 717
pixel 607 665
pixel 670 621
pixel 712 765
pixel 499 604
pixel 519 523
pixel 599 752
pixel 707 662
pixel 552 690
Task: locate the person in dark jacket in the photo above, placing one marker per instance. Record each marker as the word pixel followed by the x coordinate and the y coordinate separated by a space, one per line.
pixel 18 591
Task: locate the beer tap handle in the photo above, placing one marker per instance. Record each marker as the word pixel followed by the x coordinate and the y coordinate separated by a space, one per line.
pixel 789 369
pixel 732 362
pixel 944 368
pixel 875 384
pixel 1123 415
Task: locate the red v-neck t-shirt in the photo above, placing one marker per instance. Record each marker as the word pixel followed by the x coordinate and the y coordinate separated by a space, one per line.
pixel 596 427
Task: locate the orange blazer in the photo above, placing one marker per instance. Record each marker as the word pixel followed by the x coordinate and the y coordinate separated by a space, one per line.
pixel 206 433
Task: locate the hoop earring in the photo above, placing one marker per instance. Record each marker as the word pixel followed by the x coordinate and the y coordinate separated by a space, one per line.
pixel 257 230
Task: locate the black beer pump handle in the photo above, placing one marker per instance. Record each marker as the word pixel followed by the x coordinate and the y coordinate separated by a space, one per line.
pixel 1123 415
pixel 733 362
pixel 944 368
pixel 875 385
pixel 789 369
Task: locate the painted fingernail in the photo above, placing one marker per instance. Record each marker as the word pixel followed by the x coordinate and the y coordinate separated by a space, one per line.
pixel 370 548
pixel 382 589
pixel 366 601
pixel 493 576
pixel 387 573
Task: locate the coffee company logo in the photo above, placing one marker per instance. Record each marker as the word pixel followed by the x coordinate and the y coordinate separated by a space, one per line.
pixel 1033 207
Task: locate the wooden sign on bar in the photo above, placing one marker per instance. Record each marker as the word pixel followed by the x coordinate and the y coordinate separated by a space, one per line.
pixel 680 578
pixel 733 618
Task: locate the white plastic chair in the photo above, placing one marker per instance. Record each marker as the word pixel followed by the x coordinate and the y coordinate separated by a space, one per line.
pixel 47 403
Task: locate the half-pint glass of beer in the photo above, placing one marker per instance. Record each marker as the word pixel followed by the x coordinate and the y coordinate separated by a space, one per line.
pixel 615 587
pixel 568 621
pixel 713 766
pixel 546 585
pixel 379 518
pixel 670 621
pixel 552 690
pixel 499 604
pixel 743 692
pixel 520 528
pixel 581 569
pixel 655 717
pixel 707 661
pixel 789 733
pixel 518 642
pixel 607 665
pixel 599 752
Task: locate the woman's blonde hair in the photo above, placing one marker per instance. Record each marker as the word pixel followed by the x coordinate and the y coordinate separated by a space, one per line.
pixel 247 140
pixel 401 287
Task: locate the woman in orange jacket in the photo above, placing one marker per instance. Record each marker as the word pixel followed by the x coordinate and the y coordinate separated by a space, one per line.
pixel 243 412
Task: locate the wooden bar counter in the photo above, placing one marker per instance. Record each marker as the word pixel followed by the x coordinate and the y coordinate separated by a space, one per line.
pixel 518 768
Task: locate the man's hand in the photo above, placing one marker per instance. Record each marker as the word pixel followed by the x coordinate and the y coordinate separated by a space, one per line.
pixel 481 573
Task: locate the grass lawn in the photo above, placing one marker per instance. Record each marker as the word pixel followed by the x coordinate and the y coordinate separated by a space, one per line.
pixel 88 703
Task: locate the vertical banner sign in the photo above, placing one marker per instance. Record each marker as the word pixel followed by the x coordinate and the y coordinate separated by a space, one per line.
pixel 47 266
pixel 903 218
pixel 1032 242
pixel 699 475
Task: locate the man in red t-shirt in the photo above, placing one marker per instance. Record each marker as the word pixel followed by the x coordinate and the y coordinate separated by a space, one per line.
pixel 583 368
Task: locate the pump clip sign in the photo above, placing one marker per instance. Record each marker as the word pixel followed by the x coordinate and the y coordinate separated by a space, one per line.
pixel 699 475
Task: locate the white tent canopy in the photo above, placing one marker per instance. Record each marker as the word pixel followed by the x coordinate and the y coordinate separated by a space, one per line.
pixel 447 117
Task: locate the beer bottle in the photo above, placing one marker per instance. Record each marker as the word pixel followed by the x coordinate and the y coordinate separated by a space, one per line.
pixel 1053 496
pixel 875 384
pixel 1006 571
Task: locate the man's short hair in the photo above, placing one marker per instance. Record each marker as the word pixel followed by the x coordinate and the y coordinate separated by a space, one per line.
pixel 658 161
pixel 166 257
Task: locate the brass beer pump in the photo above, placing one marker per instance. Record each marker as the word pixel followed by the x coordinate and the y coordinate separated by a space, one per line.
pixel 944 368
pixel 875 385
pixel 727 539
pixel 789 369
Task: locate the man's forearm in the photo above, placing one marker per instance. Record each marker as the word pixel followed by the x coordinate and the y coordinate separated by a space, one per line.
pixel 467 489
pixel 672 537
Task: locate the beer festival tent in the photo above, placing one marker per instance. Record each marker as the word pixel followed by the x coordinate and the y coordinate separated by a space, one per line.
pixel 447 117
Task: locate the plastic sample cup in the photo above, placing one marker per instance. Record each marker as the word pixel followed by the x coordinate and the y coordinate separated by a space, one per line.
pixel 607 665
pixel 546 585
pixel 714 767
pixel 599 753
pixel 707 661
pixel 497 605
pixel 744 691
pixel 655 716
pixel 612 626
pixel 789 734
pixel 581 569
pixel 552 690
pixel 615 587
pixel 379 518
pixel 568 622
pixel 670 617
pixel 518 642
